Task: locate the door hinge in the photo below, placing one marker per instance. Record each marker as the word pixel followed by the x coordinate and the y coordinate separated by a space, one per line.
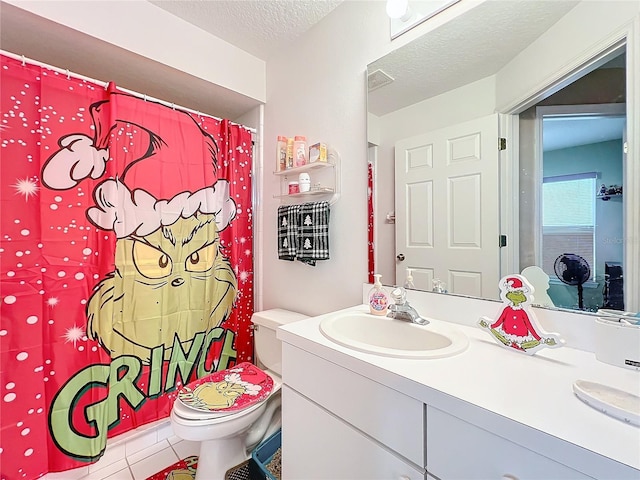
pixel 502 241
pixel 502 143
pixel 625 147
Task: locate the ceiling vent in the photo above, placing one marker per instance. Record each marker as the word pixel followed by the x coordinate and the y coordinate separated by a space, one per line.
pixel 378 79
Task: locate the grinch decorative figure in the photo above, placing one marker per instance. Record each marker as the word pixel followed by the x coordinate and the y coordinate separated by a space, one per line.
pixel 516 327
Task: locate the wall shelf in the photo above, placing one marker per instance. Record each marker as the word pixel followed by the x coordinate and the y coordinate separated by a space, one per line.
pixel 607 197
pixel 304 168
pixel 327 182
pixel 319 191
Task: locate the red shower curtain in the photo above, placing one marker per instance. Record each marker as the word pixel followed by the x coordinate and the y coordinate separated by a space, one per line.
pixel 126 262
pixel 370 222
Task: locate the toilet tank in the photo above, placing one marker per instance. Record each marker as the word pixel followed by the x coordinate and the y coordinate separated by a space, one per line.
pixel 268 349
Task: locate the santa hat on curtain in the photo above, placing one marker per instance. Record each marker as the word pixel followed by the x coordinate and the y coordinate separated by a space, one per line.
pixel 165 167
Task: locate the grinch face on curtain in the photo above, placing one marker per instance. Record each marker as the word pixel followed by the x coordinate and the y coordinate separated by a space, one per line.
pixel 172 282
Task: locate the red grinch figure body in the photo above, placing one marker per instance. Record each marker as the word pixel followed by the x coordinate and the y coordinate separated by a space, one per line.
pixel 516 327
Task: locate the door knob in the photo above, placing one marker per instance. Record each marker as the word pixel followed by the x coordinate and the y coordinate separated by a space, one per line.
pixel 400 257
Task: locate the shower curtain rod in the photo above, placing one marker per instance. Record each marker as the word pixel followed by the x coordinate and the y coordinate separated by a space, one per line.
pixel 103 84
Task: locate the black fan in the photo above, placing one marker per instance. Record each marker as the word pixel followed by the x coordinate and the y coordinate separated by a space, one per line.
pixel 574 270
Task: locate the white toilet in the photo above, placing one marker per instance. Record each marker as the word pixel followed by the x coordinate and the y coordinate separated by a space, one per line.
pixel 227 440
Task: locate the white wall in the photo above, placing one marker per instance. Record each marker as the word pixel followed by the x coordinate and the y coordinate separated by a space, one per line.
pixel 566 46
pixel 144 29
pixel 317 87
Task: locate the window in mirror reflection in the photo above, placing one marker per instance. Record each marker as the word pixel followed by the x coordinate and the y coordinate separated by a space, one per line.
pixel 580 130
pixel 575 219
pixel 568 219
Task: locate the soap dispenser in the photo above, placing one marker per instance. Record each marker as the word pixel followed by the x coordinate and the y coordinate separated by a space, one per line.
pixel 378 297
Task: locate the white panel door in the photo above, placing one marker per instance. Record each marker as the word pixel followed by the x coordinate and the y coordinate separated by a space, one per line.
pixel 447 211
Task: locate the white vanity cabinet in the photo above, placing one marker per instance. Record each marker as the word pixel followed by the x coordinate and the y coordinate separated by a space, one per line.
pixel 459 450
pixel 353 415
pixel 340 425
pixel 319 445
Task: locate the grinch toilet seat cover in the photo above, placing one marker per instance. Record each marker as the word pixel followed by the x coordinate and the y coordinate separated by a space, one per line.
pixel 227 391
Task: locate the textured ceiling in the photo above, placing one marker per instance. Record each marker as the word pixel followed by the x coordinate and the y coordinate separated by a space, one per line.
pixel 472 46
pixel 581 130
pixel 468 48
pixel 58 45
pixel 258 27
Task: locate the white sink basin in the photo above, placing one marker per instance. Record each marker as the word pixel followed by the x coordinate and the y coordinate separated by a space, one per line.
pixel 392 338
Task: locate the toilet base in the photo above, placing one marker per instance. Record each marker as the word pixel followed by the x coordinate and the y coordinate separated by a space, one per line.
pixel 218 456
pixel 233 437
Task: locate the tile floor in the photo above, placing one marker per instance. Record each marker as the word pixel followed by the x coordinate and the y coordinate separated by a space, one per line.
pixel 136 457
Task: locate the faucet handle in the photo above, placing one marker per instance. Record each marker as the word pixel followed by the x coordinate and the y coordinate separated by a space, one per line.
pixel 399 295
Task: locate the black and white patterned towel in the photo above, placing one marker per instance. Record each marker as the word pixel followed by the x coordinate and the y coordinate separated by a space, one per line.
pixel 287 231
pixel 313 232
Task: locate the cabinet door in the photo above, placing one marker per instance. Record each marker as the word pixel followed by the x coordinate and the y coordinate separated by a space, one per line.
pixel 318 445
pixel 392 418
pixel 459 450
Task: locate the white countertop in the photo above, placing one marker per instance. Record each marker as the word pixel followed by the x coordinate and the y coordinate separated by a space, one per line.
pixel 534 391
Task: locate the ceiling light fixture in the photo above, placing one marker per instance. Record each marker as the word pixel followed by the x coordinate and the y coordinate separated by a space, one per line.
pixel 397 8
pixel 404 16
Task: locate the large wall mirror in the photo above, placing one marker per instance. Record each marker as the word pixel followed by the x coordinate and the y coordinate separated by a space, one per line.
pixel 466 188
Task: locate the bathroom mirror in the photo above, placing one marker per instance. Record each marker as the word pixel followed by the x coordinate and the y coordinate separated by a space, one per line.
pixel 446 77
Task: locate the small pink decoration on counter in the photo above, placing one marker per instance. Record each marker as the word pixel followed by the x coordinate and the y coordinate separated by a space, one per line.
pixel 516 326
pixel 294 187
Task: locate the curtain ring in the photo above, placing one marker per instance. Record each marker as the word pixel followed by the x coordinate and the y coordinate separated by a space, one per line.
pixel 23 61
pixel 144 96
pixel 173 106
pixel 67 71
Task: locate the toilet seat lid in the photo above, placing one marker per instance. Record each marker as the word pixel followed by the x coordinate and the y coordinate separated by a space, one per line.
pixel 184 413
pixel 181 411
pixel 227 391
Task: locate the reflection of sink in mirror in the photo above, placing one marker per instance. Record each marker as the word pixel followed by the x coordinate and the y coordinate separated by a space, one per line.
pixel 392 338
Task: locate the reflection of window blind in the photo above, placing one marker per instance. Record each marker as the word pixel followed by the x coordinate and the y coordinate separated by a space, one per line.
pixel 568 202
pixel 568 218
pixel 554 244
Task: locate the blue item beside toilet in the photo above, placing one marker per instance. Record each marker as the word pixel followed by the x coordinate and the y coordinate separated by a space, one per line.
pixel 262 455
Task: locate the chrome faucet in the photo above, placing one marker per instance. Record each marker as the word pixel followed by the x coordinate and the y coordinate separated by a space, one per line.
pixel 401 310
